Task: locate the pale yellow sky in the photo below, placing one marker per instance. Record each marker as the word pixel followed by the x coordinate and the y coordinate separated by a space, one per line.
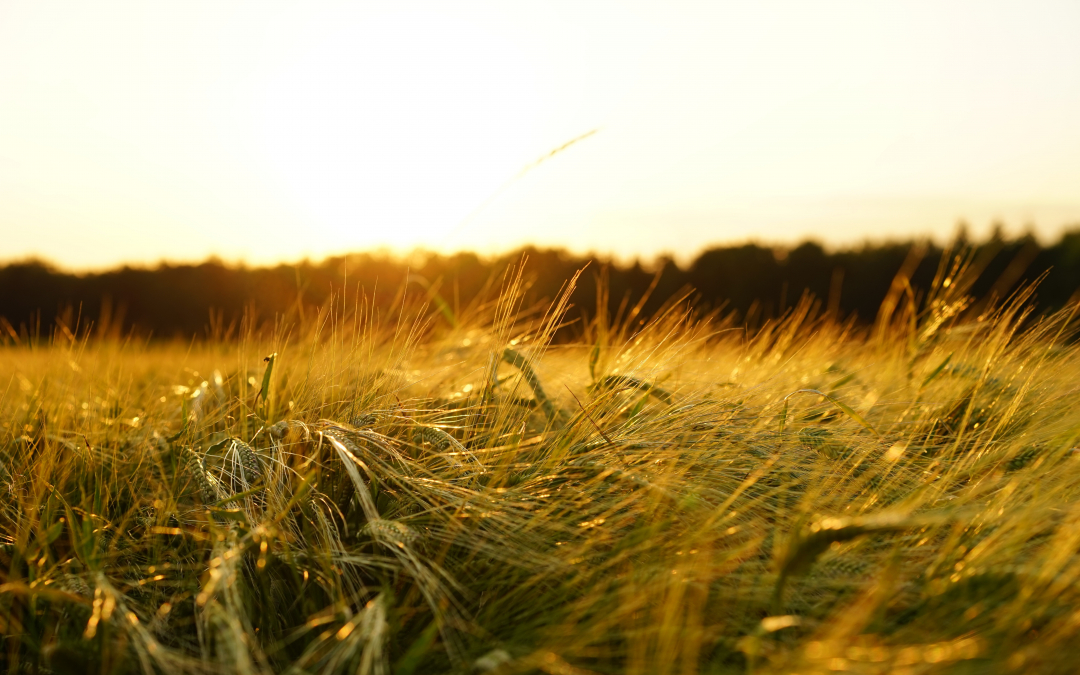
pixel 262 131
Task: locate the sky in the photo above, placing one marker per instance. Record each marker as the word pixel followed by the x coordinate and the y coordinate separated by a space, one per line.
pixel 135 132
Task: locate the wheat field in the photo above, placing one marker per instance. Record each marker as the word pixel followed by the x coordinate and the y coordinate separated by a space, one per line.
pixel 431 490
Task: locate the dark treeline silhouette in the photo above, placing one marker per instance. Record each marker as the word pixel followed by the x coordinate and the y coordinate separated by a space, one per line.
pixel 756 282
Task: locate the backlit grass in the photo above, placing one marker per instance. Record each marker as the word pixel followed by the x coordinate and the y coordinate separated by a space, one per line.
pixel 424 493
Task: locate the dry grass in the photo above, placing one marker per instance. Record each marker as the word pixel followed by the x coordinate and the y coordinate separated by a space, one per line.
pixel 391 495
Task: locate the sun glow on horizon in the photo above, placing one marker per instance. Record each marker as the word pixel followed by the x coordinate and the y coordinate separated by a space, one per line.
pixel 269 131
pixel 364 157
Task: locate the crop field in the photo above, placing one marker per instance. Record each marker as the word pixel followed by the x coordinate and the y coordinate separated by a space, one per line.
pixel 438 490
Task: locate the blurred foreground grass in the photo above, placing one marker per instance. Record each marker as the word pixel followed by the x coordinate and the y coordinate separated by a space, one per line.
pixel 412 494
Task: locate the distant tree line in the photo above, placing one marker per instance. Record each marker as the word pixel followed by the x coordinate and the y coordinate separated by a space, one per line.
pixel 755 282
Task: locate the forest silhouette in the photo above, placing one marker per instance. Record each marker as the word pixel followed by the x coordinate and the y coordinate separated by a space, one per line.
pixel 753 281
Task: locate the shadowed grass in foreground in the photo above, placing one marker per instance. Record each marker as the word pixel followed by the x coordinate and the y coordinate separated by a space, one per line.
pixel 411 494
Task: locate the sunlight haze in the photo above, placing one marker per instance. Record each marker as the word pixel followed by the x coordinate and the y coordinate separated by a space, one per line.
pixel 137 132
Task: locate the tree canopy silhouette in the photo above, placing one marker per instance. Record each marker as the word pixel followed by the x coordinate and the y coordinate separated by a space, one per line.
pixel 752 280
